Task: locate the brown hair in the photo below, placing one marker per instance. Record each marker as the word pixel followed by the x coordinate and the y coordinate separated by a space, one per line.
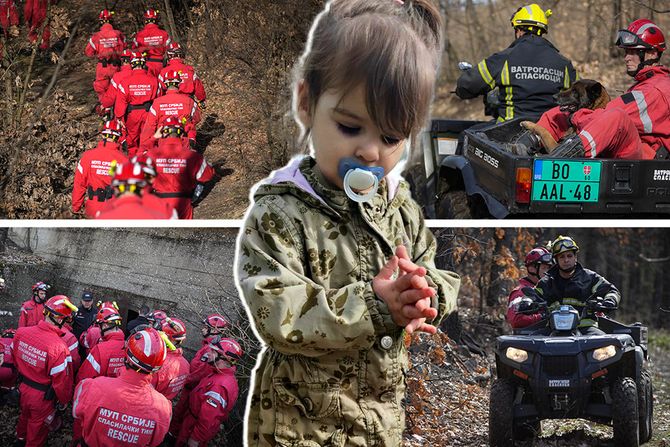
pixel 390 47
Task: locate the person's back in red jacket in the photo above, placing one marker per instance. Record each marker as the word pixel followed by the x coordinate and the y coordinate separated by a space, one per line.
pixel 106 45
pixel 106 358
pixel 125 410
pixel 153 40
pixel 72 346
pixel 43 360
pixel 133 100
pixel 7 369
pixel 172 104
pixel 92 178
pixel 178 170
pixel 34 13
pixel 212 400
pixel 191 84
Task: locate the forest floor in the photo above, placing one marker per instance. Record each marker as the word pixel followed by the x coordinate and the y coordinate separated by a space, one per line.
pixel 448 394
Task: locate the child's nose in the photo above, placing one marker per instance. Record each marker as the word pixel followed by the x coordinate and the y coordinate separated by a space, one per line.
pixel 368 150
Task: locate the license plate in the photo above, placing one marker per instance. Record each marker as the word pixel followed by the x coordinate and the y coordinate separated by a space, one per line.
pixel 559 383
pixel 566 181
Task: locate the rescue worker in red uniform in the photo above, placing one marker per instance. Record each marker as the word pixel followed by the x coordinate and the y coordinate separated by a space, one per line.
pixel 7 369
pixel 106 44
pixel 178 168
pixel 135 413
pixel 645 107
pixel 212 400
pixel 89 338
pixel 153 40
pixel 92 179
pixel 172 104
pixel 108 99
pixel 106 358
pixel 171 378
pixel 191 84
pixel 32 311
pixel 131 201
pixel 35 13
pixel 537 262
pixel 212 326
pixel 134 98
pixel 44 363
pixel 9 19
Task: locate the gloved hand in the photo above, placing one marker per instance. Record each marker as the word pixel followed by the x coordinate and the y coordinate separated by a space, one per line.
pixel 526 305
pixel 202 105
pixel 609 303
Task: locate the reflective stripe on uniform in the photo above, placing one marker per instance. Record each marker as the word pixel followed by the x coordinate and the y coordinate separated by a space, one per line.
pixel 217 397
pixel 594 289
pixel 587 322
pixel 592 143
pixel 74 346
pixel 515 301
pixel 94 363
pixel 90 41
pixel 566 79
pixel 642 110
pixel 76 398
pixel 201 171
pixel 573 302
pixel 79 168
pixel 152 111
pixel 195 106
pixel 486 75
pixel 504 78
pixel 121 89
pixel 56 369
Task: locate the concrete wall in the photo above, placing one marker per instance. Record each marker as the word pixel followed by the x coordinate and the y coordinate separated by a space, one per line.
pixel 186 272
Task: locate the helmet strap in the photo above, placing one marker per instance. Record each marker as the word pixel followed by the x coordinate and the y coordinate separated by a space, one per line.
pixel 59 324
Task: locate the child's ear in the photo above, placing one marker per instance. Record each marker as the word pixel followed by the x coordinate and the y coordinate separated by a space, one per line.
pixel 302 104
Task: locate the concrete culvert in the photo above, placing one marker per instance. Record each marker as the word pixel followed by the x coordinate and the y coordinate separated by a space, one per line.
pixel 188 273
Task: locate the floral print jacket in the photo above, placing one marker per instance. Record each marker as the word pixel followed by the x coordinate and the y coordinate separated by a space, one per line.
pixel 332 372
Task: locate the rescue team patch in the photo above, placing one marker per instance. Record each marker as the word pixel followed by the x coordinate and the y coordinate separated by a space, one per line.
pixel 627 98
pixel 125 427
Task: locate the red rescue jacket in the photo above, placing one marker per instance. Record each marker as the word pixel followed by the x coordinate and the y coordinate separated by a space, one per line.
pixel 133 207
pixel 170 379
pixel 135 92
pixel 106 44
pixel 171 104
pixel 106 358
pixel 92 179
pixel 514 318
pixel 153 40
pixel 190 85
pixel 8 15
pixel 41 356
pixel 133 414
pixel 31 313
pixel 108 99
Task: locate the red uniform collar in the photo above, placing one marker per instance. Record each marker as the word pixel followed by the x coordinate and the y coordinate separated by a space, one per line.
pixel 650 71
pixel 116 335
pixel 43 325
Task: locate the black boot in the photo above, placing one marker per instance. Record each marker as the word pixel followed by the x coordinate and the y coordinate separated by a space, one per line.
pixel 570 148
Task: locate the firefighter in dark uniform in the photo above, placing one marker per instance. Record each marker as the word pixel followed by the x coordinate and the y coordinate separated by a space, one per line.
pixel 567 282
pixel 527 74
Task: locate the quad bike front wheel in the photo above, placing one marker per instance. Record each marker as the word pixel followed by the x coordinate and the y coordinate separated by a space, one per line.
pixel 501 413
pixel 645 397
pixel 625 413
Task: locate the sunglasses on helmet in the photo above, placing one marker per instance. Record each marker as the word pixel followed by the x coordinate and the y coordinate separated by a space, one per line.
pixel 546 258
pixel 566 244
pixel 627 39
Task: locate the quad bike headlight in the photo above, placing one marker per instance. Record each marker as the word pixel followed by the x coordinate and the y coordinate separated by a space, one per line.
pixel 517 355
pixel 604 353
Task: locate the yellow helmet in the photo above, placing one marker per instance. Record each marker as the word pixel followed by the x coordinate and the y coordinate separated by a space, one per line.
pixel 532 18
pixel 563 244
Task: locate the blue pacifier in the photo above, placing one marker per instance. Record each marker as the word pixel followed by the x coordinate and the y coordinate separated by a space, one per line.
pixel 358 177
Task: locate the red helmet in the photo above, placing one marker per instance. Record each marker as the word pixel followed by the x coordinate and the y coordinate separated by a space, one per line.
pixel 105 15
pixel 538 255
pixel 9 333
pixel 129 174
pixel 173 125
pixel 215 321
pixel 159 315
pixel 174 49
pixel 172 77
pixel 227 348
pixel 113 128
pixel 146 351
pixel 59 306
pixel 138 58
pixel 175 329
pixel 151 14
pixel 642 34
pixel 109 313
pixel 126 54
pixel 147 164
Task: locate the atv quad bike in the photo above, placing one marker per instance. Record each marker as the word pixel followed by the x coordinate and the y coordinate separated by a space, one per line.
pixel 565 375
